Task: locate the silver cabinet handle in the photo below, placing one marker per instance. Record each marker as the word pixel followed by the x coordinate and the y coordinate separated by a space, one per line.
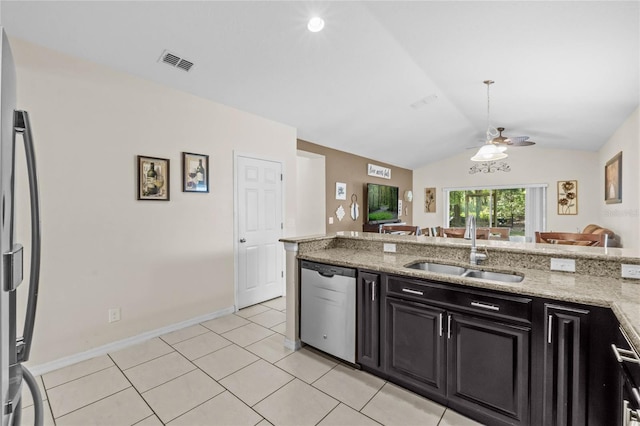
pixel 549 325
pixel 624 355
pixel 243 240
pixel 449 326
pixel 440 324
pixel 373 291
pixel 416 292
pixel 485 306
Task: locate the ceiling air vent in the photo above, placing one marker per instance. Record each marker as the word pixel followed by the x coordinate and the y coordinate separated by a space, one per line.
pixel 175 61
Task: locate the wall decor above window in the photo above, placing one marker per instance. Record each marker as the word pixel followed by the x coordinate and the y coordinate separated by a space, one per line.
pixel 567 197
pixel 153 178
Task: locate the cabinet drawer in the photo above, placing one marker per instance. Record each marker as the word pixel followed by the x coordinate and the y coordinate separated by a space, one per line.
pixel 470 300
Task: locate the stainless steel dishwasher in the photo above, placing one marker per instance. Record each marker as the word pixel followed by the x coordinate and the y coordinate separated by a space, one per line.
pixel 328 309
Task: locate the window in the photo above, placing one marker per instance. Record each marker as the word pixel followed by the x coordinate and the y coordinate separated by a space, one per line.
pixel 520 208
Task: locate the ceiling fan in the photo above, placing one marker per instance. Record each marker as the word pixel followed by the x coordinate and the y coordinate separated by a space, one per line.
pixel 511 141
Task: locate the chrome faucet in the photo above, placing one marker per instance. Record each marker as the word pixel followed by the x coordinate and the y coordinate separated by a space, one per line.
pixel 470 233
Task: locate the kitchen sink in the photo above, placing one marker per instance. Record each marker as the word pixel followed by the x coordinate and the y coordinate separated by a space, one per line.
pixel 441 268
pixel 493 276
pixel 438 268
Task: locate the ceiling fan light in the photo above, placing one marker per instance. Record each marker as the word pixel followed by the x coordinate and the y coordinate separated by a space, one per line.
pixel 490 152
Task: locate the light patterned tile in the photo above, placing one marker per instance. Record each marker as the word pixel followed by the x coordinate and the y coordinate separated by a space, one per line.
pixel 296 404
pixel 269 318
pixel 225 323
pixel 150 421
pixel 280 328
pixel 202 345
pixel 279 304
pixel 306 365
pixel 86 390
pixel 344 415
pixel 353 387
pixel 251 311
pixel 248 334
pixel 223 410
pixel 256 381
pixel 158 371
pixel 451 418
pixel 180 395
pixel 394 405
pixel 123 408
pixel 143 352
pixel 28 415
pixel 271 349
pixel 227 360
pixel 184 334
pixel 75 371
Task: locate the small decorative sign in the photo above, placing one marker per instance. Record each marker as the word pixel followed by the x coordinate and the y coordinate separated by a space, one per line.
pixel 379 171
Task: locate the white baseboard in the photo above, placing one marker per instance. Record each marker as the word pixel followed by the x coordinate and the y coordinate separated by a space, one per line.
pixel 38 370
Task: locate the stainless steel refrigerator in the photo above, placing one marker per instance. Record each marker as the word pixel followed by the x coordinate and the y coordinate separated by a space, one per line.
pixel 14 349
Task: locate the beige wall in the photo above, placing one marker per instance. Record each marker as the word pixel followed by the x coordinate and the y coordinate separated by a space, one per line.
pixel 624 217
pixel 529 165
pixel 352 170
pixel 161 262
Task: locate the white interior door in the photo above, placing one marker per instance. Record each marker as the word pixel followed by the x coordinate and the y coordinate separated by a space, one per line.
pixel 259 220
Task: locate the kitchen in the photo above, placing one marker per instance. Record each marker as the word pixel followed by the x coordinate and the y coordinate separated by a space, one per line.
pixel 133 252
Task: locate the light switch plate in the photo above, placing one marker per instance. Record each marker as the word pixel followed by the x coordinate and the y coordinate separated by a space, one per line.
pixel 389 248
pixel 630 271
pixel 564 265
pixel 330 220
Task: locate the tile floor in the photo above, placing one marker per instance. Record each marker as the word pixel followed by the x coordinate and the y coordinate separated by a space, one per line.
pixel 232 370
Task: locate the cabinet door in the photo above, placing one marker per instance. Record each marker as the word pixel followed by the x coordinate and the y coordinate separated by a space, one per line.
pixel 368 322
pixel 415 344
pixel 488 368
pixel 565 366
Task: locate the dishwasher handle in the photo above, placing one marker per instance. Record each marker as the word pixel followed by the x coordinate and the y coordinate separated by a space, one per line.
pixel 326 274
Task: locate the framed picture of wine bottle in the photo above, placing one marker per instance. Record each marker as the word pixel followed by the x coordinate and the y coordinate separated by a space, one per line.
pixel 153 178
pixel 195 172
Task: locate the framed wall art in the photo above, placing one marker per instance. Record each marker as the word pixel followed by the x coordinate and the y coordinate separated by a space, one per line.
pixel 429 200
pixel 195 172
pixel 341 191
pixel 613 180
pixel 153 178
pixel 567 197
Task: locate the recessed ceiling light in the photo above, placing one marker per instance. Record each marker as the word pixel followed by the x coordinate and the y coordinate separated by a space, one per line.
pixel 315 24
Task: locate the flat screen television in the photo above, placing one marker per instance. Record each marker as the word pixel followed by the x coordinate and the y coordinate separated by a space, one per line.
pixel 382 203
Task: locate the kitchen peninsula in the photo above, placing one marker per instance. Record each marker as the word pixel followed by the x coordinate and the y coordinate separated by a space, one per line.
pixel 419 326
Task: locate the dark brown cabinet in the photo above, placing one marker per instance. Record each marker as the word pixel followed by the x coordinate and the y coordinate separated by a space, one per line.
pixel 565 365
pixel 368 320
pixel 488 368
pixel 415 346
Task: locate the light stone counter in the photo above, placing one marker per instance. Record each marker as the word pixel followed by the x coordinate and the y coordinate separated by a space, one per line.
pixel 596 281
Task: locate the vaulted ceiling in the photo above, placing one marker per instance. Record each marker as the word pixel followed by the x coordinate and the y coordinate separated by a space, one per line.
pixel 399 82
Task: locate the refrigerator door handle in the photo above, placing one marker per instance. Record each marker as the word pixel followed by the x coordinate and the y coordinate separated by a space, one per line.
pixel 22 125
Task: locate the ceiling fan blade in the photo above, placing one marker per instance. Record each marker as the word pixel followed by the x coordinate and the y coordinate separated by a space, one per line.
pixel 523 143
pixel 518 139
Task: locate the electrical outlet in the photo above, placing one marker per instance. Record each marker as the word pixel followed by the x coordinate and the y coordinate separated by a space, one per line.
pixel 630 271
pixel 564 265
pixel 330 220
pixel 114 314
pixel 389 248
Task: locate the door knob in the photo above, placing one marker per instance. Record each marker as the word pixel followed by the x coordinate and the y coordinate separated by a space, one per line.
pixel 243 240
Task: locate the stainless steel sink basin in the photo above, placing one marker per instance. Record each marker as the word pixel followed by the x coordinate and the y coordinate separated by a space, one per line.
pixel 441 268
pixel 493 276
pixel 438 268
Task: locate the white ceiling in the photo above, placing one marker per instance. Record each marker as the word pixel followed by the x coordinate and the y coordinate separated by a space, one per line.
pixel 567 73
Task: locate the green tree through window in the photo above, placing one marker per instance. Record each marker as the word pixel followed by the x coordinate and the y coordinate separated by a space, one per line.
pixel 491 207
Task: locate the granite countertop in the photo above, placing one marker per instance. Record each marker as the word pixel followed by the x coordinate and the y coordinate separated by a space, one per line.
pixel 621 295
